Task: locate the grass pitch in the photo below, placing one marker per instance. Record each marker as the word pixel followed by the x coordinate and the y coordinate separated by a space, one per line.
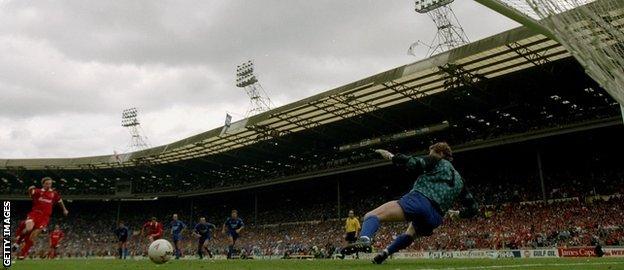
pixel 449 264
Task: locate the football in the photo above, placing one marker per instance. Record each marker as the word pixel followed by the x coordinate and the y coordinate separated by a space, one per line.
pixel 160 251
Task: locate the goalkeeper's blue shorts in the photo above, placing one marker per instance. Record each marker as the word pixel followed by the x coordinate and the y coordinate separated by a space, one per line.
pixel 421 212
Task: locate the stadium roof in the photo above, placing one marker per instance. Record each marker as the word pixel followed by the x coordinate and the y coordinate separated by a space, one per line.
pixel 492 57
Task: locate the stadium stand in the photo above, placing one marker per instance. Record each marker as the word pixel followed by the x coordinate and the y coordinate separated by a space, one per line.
pixel 541 154
pixel 572 222
pixel 584 204
pixel 498 90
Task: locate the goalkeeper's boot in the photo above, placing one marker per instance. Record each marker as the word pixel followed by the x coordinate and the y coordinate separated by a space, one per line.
pixel 361 245
pixel 381 257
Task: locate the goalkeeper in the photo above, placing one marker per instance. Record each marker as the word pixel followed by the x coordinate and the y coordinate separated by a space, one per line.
pixel 436 189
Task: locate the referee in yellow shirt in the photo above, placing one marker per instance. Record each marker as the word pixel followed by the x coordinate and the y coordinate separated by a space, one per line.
pixel 352 227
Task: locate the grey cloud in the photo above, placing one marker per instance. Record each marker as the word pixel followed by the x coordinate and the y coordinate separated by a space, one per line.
pixel 68 62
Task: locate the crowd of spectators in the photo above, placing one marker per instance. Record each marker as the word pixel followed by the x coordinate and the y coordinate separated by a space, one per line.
pixel 565 183
pixel 528 199
pixel 569 222
pixel 527 224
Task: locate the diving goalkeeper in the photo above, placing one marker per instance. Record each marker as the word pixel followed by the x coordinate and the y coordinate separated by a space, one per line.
pixel 436 189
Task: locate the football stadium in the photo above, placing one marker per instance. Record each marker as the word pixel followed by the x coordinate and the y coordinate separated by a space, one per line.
pixel 536 134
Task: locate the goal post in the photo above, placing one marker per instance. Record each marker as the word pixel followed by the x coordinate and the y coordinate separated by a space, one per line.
pixel 591 30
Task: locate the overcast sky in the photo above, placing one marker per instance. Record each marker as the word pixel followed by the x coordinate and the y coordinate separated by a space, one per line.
pixel 68 68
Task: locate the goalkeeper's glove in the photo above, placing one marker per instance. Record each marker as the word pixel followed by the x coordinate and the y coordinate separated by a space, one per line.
pixel 385 154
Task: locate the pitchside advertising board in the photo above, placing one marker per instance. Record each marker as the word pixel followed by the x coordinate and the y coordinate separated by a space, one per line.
pixel 577 252
pixel 524 253
pixel 590 252
pixel 479 254
pixel 614 251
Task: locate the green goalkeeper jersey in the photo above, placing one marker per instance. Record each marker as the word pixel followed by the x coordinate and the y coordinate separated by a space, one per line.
pixel 439 182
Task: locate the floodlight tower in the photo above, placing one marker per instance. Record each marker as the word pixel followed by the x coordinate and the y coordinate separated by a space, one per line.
pixel 450 33
pixel 130 120
pixel 259 101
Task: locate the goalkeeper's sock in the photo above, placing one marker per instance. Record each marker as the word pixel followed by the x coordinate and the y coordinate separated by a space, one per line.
pixel 369 227
pixel 402 241
pixel 120 252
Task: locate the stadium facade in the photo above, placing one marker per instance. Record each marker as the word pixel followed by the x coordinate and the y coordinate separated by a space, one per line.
pixel 513 87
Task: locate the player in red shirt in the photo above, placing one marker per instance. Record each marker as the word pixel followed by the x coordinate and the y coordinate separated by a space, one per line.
pixel 55 238
pixel 43 201
pixel 153 228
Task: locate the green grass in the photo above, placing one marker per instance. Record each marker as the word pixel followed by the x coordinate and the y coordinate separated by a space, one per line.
pixel 532 264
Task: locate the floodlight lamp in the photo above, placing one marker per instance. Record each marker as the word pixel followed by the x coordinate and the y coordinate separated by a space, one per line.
pixel 424 6
pixel 246 81
pixel 129 113
pixel 245 74
pixel 244 71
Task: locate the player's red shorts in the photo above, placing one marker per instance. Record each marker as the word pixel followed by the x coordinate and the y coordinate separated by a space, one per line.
pixel 54 245
pixel 41 221
pixel 155 236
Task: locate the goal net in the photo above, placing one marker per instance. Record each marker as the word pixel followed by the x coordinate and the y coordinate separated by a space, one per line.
pixel 591 30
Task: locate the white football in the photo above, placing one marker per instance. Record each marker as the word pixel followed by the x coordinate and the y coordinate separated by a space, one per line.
pixel 160 251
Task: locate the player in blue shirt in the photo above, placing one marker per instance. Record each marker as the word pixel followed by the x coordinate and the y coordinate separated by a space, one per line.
pixel 177 226
pixel 203 231
pixel 233 226
pixel 122 234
